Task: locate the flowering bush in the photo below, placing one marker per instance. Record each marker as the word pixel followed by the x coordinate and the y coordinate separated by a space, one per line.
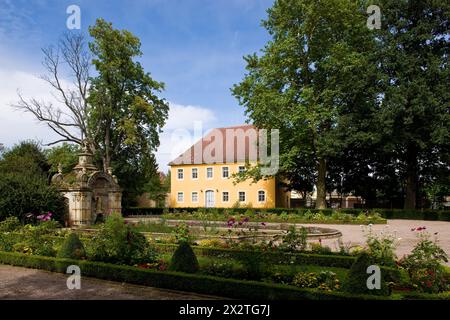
pixel 381 247
pixel 45 217
pixel 325 280
pixel 293 240
pixel 182 233
pixel 424 264
pixel 159 265
pixel 118 242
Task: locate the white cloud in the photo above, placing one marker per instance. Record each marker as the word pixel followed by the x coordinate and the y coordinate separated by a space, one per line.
pixel 16 126
pixel 185 125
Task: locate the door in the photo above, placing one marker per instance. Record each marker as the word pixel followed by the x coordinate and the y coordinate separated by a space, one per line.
pixel 209 199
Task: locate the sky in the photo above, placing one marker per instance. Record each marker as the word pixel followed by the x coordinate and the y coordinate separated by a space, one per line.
pixel 195 47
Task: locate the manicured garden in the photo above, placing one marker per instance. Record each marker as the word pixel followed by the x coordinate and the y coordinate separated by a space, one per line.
pixel 289 267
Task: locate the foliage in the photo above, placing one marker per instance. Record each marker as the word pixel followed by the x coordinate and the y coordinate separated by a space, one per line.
pixel 238 289
pixel 325 280
pixel 356 281
pixel 294 240
pixel 289 86
pixel 182 233
pixel 424 265
pixel 10 224
pixel 414 71
pixel 225 269
pixel 65 154
pixel 184 259
pixel 37 239
pixel 126 114
pixel 24 184
pixel 381 247
pixel 72 248
pixel 319 249
pixel 119 242
pixel 157 188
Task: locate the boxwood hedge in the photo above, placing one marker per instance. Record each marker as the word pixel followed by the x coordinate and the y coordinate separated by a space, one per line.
pixel 425 214
pixel 239 289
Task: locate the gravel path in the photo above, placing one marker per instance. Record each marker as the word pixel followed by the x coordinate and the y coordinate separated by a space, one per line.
pixel 23 283
pixel 402 228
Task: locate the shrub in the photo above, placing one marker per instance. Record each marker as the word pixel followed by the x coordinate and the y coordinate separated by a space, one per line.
pixel 224 269
pixel 118 242
pixel 381 247
pixel 356 281
pixel 238 289
pixel 424 265
pixel 319 249
pixel 182 233
pixel 293 240
pixel 325 280
pixel 72 248
pixel 10 224
pixel 23 193
pixel 184 259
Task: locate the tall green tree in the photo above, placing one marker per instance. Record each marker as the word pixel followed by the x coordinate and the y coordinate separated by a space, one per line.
pixel 414 111
pixel 288 86
pixel 24 183
pixel 65 155
pixel 126 113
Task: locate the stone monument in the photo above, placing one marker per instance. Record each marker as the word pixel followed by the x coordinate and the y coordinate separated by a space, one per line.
pixel 89 193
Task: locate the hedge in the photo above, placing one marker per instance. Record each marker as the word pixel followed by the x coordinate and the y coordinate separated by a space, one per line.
pixel 426 214
pixel 238 289
pixel 328 260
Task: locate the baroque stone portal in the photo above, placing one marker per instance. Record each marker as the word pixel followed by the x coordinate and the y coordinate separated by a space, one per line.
pixel 89 192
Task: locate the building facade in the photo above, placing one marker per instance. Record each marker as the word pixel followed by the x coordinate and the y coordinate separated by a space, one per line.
pixel 202 176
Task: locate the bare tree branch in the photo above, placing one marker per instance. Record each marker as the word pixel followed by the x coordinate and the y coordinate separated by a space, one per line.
pixel 71 92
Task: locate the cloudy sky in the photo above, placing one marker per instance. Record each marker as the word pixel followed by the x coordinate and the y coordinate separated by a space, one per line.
pixel 194 46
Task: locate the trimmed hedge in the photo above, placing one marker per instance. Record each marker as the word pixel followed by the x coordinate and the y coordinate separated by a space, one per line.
pixel 426 214
pixel 239 289
pixel 331 260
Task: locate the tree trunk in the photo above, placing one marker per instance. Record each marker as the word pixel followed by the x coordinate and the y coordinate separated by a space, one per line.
pixel 411 178
pixel 321 202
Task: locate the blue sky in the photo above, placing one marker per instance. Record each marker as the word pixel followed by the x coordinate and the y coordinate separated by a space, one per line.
pixel 194 46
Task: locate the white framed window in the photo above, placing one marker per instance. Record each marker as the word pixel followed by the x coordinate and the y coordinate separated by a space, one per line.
pixel 225 196
pixel 209 173
pixel 180 197
pixel 261 196
pixel 194 196
pixel 195 173
pixel 241 169
pixel 241 196
pixel 225 172
pixel 180 174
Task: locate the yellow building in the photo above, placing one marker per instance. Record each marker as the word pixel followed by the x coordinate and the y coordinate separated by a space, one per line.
pixel 201 176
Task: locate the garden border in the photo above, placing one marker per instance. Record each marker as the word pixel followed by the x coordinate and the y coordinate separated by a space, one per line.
pixel 425 214
pixel 230 288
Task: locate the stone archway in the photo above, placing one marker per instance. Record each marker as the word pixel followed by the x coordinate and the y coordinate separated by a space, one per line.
pixel 91 193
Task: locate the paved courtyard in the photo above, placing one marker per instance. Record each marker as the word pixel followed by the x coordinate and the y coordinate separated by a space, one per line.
pixel 22 283
pixel 353 233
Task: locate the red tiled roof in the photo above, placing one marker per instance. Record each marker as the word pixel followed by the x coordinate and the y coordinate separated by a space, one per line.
pixel 222 145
